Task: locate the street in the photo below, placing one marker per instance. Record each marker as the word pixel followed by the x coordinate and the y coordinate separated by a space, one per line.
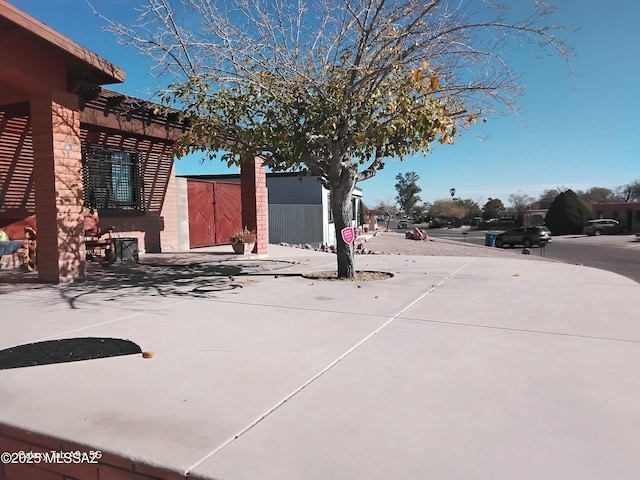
pixel 615 253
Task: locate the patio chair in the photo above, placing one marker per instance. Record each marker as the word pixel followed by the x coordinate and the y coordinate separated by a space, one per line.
pixel 98 243
pixel 25 244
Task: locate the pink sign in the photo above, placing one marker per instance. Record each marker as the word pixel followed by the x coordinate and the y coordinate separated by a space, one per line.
pixel 347 235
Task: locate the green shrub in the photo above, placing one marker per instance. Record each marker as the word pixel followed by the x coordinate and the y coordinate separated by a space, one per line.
pixel 567 214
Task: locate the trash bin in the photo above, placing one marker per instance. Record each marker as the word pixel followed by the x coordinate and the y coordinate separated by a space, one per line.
pixel 126 249
pixel 489 240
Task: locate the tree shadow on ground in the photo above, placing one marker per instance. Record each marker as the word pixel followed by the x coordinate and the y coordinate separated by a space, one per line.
pixel 168 279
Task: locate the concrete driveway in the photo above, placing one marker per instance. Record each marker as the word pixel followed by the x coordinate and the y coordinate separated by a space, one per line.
pixel 456 368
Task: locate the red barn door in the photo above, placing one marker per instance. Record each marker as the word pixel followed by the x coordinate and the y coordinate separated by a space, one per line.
pixel 227 208
pixel 215 212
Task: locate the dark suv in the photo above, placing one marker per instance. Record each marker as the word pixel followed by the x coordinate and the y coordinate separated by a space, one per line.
pixel 525 236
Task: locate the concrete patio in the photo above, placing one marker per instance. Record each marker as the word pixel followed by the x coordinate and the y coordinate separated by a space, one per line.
pixel 455 368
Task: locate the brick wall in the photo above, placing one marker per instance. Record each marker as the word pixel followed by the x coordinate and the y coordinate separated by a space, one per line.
pixel 156 230
pixel 254 201
pixel 182 212
pixel 169 213
pixel 109 467
pixel 57 174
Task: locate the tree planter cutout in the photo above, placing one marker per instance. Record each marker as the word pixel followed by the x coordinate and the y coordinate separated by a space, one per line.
pixel 361 276
pixel 65 350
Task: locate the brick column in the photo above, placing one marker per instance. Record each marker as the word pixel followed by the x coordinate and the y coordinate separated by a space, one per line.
pixel 253 185
pixel 169 213
pixel 55 121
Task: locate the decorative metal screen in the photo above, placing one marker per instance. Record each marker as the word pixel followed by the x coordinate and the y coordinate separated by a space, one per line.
pixel 111 180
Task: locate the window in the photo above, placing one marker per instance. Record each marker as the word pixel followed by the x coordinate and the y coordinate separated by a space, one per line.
pixel 111 180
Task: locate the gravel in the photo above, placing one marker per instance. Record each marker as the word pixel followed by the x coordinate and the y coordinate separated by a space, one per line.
pixel 390 243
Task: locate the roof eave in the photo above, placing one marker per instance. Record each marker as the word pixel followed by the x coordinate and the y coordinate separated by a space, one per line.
pixel 107 72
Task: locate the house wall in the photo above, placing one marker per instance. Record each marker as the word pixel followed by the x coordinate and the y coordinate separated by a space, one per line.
pixel 156 229
pixel 296 224
pixel 294 190
pixel 182 213
pixel 298 211
pixel 291 190
pixel 328 227
pixel 626 213
pixel 108 466
pixel 169 238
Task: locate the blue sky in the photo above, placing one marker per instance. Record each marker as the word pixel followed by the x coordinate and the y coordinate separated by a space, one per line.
pixel 575 131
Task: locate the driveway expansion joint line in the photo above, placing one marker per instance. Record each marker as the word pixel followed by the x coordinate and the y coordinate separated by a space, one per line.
pixel 521 330
pixel 324 370
pixel 303 309
pixel 106 322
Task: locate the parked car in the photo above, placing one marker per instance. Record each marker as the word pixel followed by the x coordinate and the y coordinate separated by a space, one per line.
pixel 495 224
pixel 604 225
pixel 525 236
pixel 403 224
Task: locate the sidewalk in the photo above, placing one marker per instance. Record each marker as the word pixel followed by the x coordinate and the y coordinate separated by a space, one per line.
pixel 456 368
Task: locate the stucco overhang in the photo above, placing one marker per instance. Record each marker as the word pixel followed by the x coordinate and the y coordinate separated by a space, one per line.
pixel 85 69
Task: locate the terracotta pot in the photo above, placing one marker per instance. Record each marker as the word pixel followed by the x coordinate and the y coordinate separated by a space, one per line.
pixel 243 247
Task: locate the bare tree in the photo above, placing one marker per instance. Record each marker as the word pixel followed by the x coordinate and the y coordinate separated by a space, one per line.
pixel 547 197
pixel 520 202
pixel 388 209
pixel 630 192
pixel 334 87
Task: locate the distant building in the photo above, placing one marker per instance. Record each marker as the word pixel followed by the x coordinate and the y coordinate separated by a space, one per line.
pixel 529 217
pixel 626 213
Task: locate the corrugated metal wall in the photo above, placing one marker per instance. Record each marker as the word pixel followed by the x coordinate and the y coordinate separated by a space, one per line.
pixel 295 224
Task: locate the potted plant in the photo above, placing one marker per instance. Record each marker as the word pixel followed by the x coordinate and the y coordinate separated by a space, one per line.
pixel 243 240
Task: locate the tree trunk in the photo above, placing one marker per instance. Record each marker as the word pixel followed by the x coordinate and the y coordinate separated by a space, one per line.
pixel 340 199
